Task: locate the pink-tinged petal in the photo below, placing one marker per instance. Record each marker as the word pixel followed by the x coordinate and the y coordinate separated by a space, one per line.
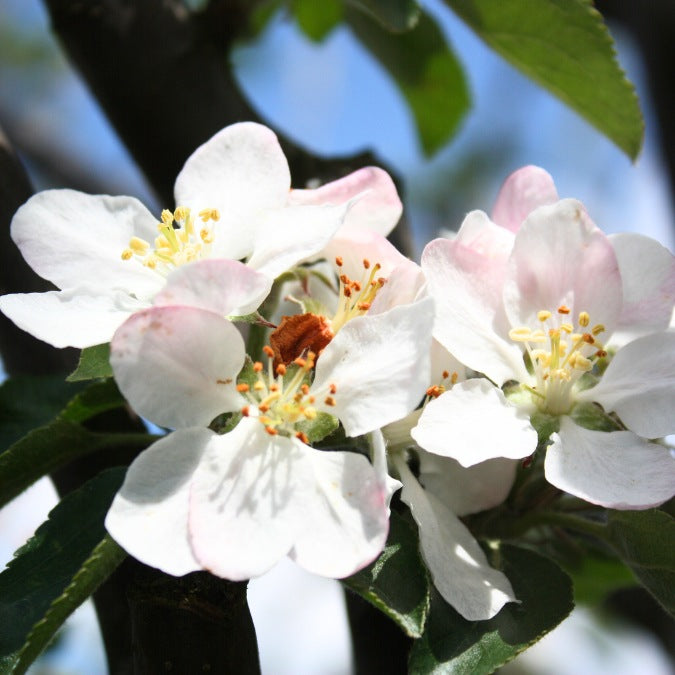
pixel 246 502
pixel 74 239
pixel 242 172
pixel 521 193
pixel 149 515
pixel 458 566
pixel 289 236
pixel 467 490
pixel 465 277
pixel 72 318
pixel 178 366
pixel 345 513
pixel 648 280
pixel 639 385
pixel 473 422
pixel 226 287
pixel 560 258
pixel 617 469
pixel 404 285
pixel 355 246
pixel 378 207
pixel 380 366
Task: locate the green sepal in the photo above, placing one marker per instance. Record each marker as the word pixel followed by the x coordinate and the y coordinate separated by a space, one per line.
pixel 397 582
pixel 94 363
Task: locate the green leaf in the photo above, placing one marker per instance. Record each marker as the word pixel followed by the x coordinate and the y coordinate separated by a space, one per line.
pixel 57 562
pixel 28 402
pixel 94 363
pixel 48 448
pixel 426 72
pixel 317 19
pixel 644 541
pixel 595 576
pixel 395 15
pixel 451 644
pixel 102 562
pixel 397 583
pixel 97 398
pixel 564 46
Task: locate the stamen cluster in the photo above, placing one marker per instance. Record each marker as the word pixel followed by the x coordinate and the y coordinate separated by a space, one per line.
pixel 356 297
pixel 178 241
pixel 281 397
pixel 560 355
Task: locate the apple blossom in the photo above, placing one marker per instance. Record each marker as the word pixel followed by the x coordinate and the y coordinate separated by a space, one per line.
pixel 555 291
pixel 236 503
pixel 110 258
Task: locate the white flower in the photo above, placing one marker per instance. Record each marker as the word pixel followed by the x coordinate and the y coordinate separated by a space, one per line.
pixel 558 289
pixel 236 503
pixel 110 257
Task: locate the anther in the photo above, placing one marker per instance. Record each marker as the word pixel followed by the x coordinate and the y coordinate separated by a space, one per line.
pixel 597 329
pixel 584 319
pixel 338 261
pixel 543 315
pixel 281 369
pixel 271 431
pixel 257 367
pixel 332 388
pixel 268 351
pixel 563 309
pixel 366 263
pixel 329 400
pixel 242 387
pixel 245 411
pixel 302 436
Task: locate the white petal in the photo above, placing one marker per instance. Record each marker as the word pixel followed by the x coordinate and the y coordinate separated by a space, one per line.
pixel 466 490
pixel 618 469
pixel 241 171
pixel 380 365
pixel 256 497
pixel 71 318
pixel 149 515
pixel 522 192
pixel 244 511
pixel 639 385
pixel 379 455
pixel 473 422
pixel 648 280
pixel 74 239
pixel 405 284
pixel 457 564
pixel 560 258
pixel 378 207
pixel 288 236
pixel 177 366
pixel 443 361
pixel 226 287
pixel 465 278
pixel 344 510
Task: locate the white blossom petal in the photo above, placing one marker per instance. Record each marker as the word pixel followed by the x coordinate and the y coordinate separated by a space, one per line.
pixel 256 498
pixel 287 236
pixel 178 366
pixel 648 280
pixel 618 469
pixel 466 490
pixel 473 422
pixel 639 385
pixel 458 566
pixel 72 318
pixel 74 239
pixel 521 193
pixel 465 278
pixel 379 455
pixel 369 359
pixel 560 258
pixel 345 512
pixel 226 287
pixel 149 515
pixel 242 172
pixel 378 207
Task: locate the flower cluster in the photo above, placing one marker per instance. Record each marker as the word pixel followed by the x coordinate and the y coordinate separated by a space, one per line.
pixel 529 336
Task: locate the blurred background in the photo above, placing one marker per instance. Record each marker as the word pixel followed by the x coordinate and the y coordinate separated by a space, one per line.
pixel 334 99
